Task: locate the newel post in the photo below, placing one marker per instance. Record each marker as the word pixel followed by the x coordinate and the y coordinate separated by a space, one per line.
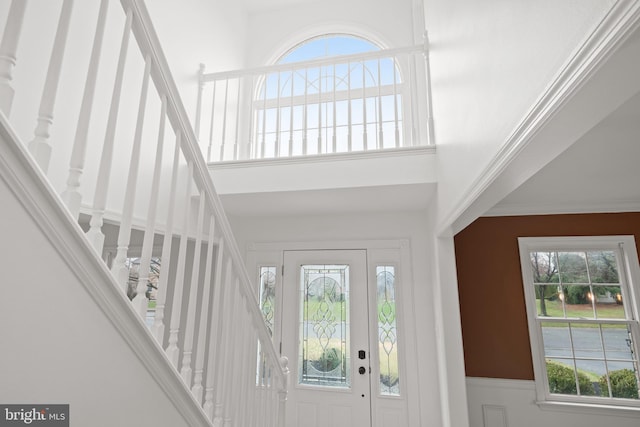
pixel 282 392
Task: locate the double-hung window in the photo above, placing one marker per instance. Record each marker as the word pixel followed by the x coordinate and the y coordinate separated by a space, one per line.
pixel 582 307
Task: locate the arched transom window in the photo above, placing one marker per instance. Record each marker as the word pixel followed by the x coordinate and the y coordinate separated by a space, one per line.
pixel 330 94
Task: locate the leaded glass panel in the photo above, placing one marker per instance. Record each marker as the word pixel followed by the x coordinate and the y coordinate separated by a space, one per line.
pixel 324 326
pixel 387 330
pixel 267 280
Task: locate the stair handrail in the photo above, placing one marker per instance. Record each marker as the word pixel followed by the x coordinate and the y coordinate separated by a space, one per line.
pixel 341 59
pixel 149 44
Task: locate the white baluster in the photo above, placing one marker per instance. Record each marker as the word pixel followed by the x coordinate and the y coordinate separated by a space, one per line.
pixel 173 353
pixel 250 153
pixel 245 365
pixel 222 389
pixel 235 145
pixel 213 110
pixel 263 388
pixel 431 138
pixel 213 365
pixel 264 118
pixel 95 235
pixel 158 321
pixel 252 365
pixel 119 267
pixel 218 419
pixel 290 149
pixel 196 126
pixel 304 114
pixel 40 146
pixel 71 195
pixel 140 301
pixel 237 330
pixel 320 110
pixel 186 371
pixel 379 141
pixel 365 144
pixel 395 103
pixel 197 389
pixel 8 48
pixel 230 348
pixel 269 399
pixel 334 145
pixel 349 120
pixel 208 403
pixel 276 143
pixel 414 108
pixel 224 119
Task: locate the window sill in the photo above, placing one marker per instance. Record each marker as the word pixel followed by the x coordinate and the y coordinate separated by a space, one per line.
pixel 590 408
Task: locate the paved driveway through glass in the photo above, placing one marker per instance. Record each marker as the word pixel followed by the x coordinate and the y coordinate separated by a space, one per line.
pixel 588 347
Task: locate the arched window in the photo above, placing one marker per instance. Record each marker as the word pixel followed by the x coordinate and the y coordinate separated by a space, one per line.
pixel 327 46
pixel 330 94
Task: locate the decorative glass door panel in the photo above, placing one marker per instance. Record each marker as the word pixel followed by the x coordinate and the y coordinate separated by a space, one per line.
pixel 325 335
pixel 323 350
pixel 387 330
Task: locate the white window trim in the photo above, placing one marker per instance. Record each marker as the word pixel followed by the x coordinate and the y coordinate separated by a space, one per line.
pixel 630 273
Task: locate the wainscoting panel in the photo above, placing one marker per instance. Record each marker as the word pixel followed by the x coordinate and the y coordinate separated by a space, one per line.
pixel 494 416
pixel 502 403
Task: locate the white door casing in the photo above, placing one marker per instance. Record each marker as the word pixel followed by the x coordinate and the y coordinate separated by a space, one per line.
pixel 268 259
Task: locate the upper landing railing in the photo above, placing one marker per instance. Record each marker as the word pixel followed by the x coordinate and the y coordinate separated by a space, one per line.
pixel 122 143
pixel 351 103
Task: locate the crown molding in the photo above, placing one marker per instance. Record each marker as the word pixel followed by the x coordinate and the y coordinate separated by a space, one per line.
pixel 564 208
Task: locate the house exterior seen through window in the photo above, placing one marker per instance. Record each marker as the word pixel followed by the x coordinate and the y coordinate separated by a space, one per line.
pixel 581 296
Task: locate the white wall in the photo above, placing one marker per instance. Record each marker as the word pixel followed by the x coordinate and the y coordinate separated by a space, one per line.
pixel 490 61
pixel 369 226
pixel 211 32
pixel 272 33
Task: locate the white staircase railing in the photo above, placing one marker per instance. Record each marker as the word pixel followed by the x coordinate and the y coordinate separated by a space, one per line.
pixel 350 103
pixel 205 313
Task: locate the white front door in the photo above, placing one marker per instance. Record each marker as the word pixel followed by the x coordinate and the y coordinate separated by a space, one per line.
pixel 325 335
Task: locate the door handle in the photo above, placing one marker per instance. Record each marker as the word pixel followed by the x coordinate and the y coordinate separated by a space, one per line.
pixel 362 370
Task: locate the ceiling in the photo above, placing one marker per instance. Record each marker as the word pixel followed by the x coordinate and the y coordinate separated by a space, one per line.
pixel 262 5
pixel 599 173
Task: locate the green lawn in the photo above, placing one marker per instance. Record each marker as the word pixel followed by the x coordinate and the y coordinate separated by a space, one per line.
pixel 582 311
pixel 314 307
pixel 337 310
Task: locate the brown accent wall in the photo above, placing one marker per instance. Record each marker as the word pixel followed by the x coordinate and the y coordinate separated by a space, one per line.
pixel 492 309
